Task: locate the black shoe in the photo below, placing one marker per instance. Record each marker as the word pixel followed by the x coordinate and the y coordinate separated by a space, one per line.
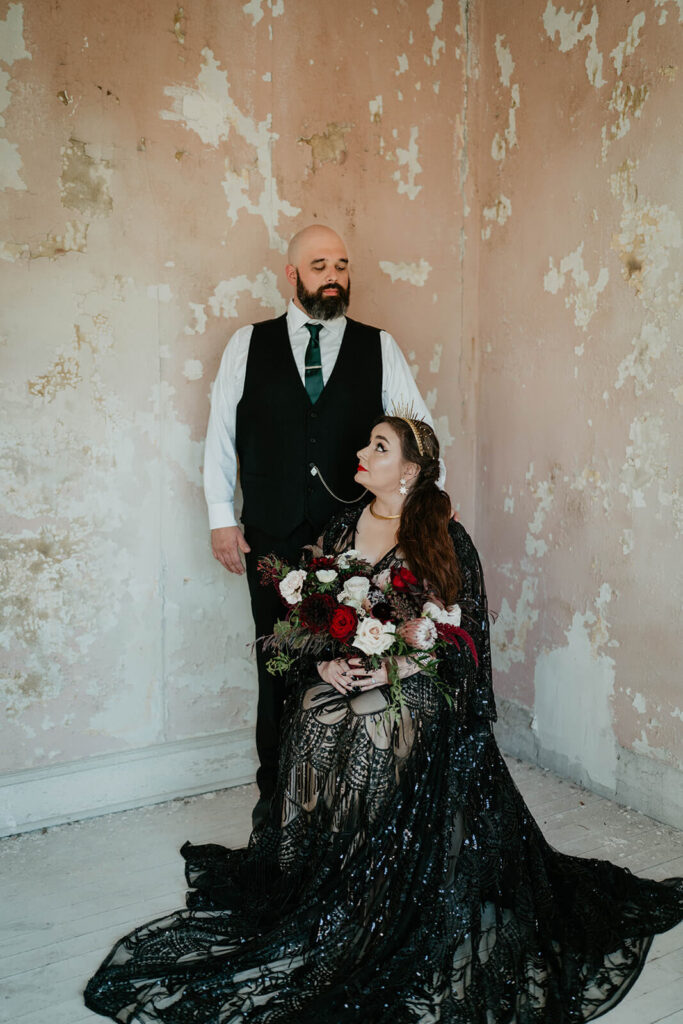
pixel 261 813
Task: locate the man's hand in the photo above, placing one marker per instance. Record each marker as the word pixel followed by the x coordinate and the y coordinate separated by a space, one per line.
pixel 226 544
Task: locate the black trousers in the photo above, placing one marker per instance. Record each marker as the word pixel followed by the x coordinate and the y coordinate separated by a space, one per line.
pixel 267 607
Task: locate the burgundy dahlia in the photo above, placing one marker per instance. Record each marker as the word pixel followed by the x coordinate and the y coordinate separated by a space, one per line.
pixel 316 611
pixel 383 611
pixel 322 562
pixel 453 635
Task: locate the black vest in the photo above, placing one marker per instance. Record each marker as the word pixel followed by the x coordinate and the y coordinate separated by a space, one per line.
pixel 280 434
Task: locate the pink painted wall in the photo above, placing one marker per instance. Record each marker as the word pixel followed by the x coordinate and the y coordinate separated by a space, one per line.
pixel 579 419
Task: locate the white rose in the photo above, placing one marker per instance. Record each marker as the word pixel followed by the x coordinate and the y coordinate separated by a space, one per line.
pixel 290 586
pixel 451 615
pixel 355 591
pixel 373 636
pixel 326 575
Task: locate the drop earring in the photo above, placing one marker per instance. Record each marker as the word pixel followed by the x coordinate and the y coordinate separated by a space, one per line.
pixel 403 489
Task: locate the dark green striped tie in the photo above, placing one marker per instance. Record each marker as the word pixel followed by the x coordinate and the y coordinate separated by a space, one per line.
pixel 314 370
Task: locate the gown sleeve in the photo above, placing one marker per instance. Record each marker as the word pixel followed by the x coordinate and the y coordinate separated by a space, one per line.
pixel 467 674
pixel 339 530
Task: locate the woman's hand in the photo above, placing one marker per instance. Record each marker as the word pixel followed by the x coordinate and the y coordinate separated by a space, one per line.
pixel 380 676
pixel 345 676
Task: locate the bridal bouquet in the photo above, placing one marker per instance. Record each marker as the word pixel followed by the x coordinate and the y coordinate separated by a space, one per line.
pixel 337 607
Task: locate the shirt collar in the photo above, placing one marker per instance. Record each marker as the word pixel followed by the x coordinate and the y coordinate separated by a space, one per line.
pixel 296 318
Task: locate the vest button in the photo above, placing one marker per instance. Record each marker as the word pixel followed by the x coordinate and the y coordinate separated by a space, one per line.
pixel 314 415
pixel 313 440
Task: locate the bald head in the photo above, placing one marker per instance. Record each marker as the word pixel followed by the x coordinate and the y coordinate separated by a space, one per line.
pixel 316 239
pixel 318 271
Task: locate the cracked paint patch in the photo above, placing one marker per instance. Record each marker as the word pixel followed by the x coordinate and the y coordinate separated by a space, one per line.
pixel 626 101
pixel 255 9
pixel 497 213
pixel 438 47
pixel 408 160
pixel 328 146
pixel 435 361
pixel 638 364
pixel 590 481
pixel 435 14
pixel 193 369
pixel 647 465
pixel 628 46
pixel 64 373
pixel 648 232
pixel 376 110
pixel 264 287
pixel 179 25
pixel 568 27
pixel 510 630
pixel 573 686
pixel 402 59
pixel 85 180
pixel 198 311
pixel 544 493
pixel 664 4
pixel 73 239
pixel 12 49
pixel 503 143
pixel 506 64
pixel 442 430
pixel 414 273
pixel 584 297
pixel 210 112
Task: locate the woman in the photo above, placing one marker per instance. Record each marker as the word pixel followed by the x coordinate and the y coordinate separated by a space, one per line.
pixel 401 877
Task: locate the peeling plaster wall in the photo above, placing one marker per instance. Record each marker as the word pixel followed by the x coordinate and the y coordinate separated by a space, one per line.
pixel 154 160
pixel 579 422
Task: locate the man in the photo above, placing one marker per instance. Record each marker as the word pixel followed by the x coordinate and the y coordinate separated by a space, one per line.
pixel 293 400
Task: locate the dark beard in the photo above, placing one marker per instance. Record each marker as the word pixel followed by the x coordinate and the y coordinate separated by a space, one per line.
pixel 323 307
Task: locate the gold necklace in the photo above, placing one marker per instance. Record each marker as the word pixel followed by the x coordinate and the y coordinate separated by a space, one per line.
pixel 377 515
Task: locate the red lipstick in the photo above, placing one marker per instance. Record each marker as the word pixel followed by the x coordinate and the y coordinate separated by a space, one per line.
pixel 361 469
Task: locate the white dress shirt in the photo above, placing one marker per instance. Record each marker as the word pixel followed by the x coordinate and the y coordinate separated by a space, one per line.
pixel 220 456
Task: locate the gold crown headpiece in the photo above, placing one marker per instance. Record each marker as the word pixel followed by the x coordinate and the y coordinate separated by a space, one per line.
pixel 408 414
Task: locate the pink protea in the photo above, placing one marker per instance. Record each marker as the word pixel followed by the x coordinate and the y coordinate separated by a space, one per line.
pixel 419 633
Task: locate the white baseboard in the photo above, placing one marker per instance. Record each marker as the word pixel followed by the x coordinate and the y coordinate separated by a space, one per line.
pixel 52 795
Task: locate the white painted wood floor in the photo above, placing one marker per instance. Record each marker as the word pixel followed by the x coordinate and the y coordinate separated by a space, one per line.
pixel 69 892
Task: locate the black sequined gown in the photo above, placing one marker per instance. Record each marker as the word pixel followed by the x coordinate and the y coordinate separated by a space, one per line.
pixel 401 879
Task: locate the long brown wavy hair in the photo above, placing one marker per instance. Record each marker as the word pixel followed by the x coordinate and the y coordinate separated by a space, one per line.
pixel 423 531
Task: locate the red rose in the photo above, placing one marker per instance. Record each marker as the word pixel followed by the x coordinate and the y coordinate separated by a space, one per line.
pixel 402 578
pixel 343 623
pixel 315 612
